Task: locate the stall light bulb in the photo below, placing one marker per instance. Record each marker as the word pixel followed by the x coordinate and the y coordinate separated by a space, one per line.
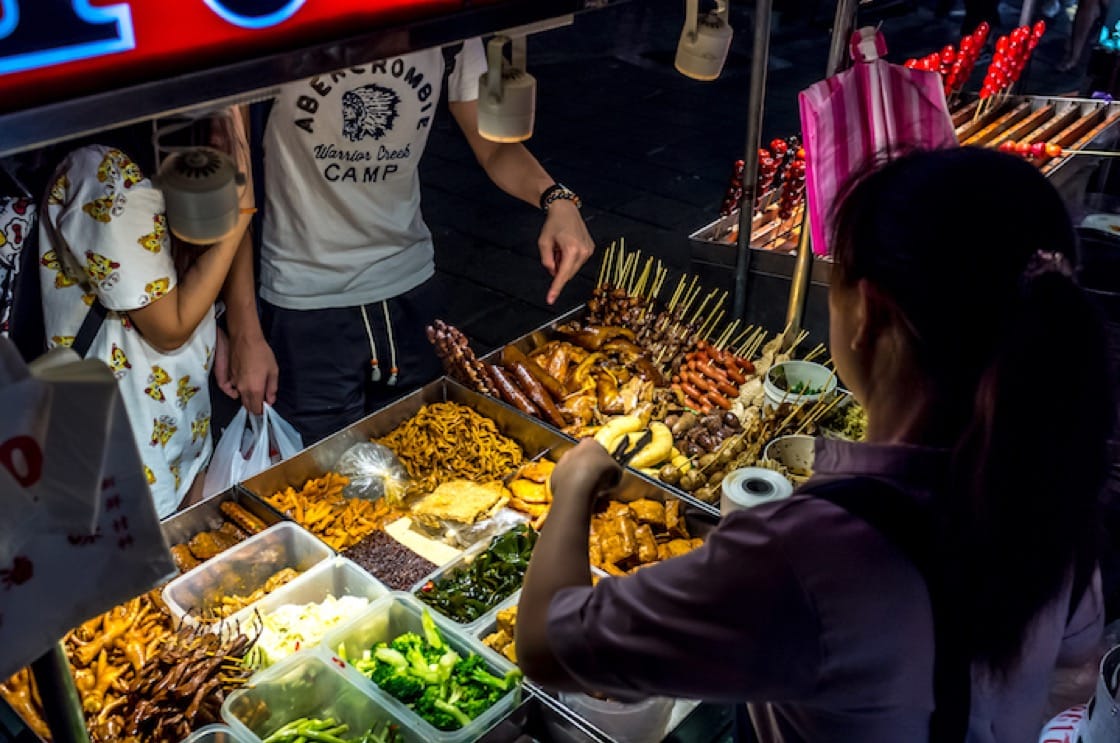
pixel 507 94
pixel 705 41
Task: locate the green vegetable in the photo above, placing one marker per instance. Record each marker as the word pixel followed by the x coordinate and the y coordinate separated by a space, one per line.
pixel 313 730
pixel 445 689
pixel 494 575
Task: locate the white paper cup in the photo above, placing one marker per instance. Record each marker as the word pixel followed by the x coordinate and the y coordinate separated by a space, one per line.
pixel 795 453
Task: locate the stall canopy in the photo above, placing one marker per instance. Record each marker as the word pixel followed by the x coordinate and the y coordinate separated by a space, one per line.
pixel 73 67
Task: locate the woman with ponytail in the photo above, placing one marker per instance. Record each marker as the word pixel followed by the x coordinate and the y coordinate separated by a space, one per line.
pixel 924 585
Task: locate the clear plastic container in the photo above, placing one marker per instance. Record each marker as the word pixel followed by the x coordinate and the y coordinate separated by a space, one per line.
pixel 216 734
pixel 306 685
pixel 243 568
pixel 336 577
pixel 391 617
pixel 454 566
pixel 624 722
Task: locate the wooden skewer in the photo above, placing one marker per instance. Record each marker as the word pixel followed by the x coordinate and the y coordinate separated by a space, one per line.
pixel 604 263
pixel 815 352
pixel 703 306
pixel 710 327
pixel 676 294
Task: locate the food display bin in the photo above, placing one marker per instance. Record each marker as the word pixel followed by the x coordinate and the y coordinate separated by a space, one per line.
pixel 533 436
pixel 306 685
pixel 216 734
pixel 207 515
pixel 391 617
pixel 535 339
pixel 454 566
pixel 242 569
pixel 336 577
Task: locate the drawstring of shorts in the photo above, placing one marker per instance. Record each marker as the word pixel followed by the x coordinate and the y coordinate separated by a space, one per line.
pixel 375 369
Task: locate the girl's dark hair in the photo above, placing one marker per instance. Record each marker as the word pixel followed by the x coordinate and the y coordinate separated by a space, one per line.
pixel 1015 360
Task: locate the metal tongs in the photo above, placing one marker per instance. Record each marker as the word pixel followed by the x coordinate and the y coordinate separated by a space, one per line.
pixel 623 453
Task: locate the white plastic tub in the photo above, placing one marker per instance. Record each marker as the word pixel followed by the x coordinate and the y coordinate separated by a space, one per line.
pixel 306 685
pixel 807 373
pixel 646 721
pixel 391 617
pixel 242 569
pixel 337 577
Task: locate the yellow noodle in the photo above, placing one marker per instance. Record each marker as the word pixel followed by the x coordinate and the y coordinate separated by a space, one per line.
pixel 447 441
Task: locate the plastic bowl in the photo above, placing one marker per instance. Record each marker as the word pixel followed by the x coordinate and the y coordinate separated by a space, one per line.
pixel 624 722
pixel 808 373
pixel 795 453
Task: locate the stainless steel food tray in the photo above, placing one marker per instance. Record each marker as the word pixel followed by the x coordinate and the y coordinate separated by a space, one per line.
pixel 533 435
pixel 546 332
pixel 207 515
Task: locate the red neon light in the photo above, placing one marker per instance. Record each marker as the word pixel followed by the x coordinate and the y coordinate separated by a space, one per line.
pixel 173 38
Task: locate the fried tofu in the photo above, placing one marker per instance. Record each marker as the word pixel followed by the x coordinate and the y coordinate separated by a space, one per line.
pixel 459 501
pixel 674 522
pixel 647 545
pixel 649 512
pixel 529 491
pixel 539 471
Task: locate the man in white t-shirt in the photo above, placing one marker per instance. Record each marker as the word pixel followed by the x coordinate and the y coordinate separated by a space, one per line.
pixel 347 264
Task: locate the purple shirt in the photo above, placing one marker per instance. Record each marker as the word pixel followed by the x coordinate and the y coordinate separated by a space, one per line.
pixel 809 614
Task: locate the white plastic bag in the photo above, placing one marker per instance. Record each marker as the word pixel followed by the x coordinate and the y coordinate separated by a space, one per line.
pixel 250 445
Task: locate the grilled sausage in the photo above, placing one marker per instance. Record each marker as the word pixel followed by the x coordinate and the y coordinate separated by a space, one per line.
pixel 537 393
pixel 510 392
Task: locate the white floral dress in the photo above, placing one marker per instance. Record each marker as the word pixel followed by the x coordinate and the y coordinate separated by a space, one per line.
pixel 104 234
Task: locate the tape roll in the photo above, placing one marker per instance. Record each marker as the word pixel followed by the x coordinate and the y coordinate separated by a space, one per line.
pixel 752 486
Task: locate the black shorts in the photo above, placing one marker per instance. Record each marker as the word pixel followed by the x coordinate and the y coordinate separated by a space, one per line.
pixel 324 358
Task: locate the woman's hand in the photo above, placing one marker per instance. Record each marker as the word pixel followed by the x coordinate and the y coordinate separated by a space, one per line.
pixel 565 245
pixel 585 471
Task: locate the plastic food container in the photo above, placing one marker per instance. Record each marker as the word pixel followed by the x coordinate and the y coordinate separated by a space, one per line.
pixel 215 734
pixel 306 685
pixel 454 566
pixel 807 373
pixel 336 577
pixel 243 568
pixel 638 722
pixel 391 617
pixel 795 453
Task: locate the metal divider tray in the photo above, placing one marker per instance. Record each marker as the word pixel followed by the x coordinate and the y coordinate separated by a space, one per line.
pixel 533 435
pixel 207 515
pixel 535 339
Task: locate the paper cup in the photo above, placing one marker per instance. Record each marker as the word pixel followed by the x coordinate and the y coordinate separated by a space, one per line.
pixel 795 453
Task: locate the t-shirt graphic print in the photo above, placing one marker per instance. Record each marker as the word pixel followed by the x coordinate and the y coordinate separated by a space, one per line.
pixel 342 220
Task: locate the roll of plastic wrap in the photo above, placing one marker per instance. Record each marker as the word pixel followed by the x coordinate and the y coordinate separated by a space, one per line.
pixel 752 486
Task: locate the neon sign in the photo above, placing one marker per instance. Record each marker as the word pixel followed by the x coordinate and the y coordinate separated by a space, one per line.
pixel 51 50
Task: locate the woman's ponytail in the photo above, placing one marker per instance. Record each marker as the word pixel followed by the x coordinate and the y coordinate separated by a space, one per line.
pixel 1032 460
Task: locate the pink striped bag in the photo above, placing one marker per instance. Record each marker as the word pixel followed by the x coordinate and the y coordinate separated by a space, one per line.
pixel 873 110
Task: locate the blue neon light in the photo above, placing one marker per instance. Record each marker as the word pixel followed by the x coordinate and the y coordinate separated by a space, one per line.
pixel 119 14
pixel 10 9
pixel 264 21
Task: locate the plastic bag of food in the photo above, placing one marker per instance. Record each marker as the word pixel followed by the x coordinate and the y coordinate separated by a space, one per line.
pixel 466 535
pixel 374 472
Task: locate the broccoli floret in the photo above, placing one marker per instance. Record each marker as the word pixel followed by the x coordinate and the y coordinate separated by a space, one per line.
pixel 392 657
pixel 431 631
pixel 406 642
pixel 403 686
pixel 426 707
pixel 461 720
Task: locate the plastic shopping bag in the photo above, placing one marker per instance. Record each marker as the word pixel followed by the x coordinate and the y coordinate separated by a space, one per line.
pixel 250 445
pixel 80 532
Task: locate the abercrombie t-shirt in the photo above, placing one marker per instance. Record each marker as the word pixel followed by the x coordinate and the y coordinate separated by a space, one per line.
pixel 342 223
